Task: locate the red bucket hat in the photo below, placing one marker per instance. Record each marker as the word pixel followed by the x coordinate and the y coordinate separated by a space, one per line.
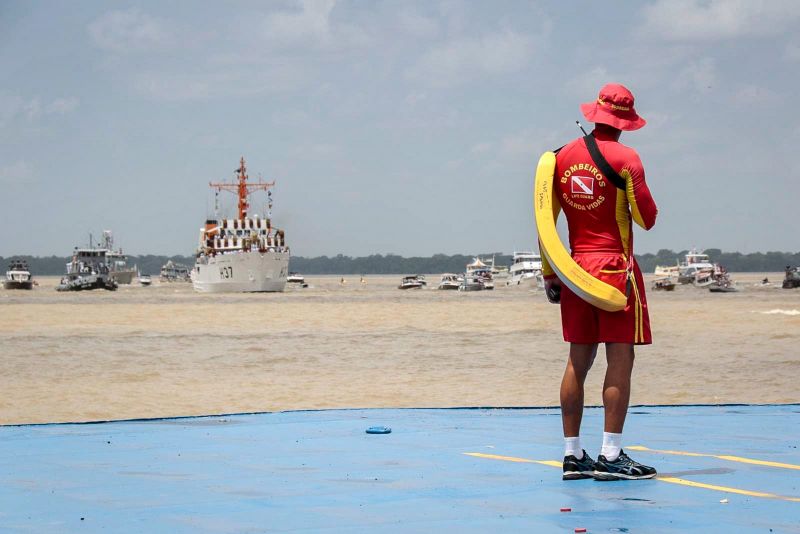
pixel 614 106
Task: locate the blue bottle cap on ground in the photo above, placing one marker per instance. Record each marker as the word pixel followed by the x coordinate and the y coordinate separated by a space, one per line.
pixel 379 430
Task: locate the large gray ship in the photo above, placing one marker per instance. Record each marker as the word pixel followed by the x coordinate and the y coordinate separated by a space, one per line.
pixel 245 254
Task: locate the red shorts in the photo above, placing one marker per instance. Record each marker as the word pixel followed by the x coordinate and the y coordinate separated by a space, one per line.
pixel 583 323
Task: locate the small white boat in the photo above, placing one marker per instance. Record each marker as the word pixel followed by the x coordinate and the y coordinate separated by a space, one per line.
pixel 145 280
pixel 295 278
pixel 410 282
pixel 664 283
pixel 450 281
pixel 18 276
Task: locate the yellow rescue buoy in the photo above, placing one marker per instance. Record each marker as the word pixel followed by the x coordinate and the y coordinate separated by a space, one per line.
pixel 594 291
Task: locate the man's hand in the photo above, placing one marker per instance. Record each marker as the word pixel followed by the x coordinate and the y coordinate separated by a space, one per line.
pixel 552 288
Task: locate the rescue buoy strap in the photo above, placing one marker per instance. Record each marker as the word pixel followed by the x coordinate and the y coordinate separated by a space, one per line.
pixel 599 160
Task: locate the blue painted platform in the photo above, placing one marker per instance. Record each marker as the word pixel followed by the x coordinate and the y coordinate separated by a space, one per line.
pixel 459 470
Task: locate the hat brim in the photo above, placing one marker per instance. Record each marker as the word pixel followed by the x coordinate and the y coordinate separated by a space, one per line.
pixel 622 120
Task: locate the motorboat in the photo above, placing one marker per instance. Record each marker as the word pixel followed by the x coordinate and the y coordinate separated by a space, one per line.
pixel 703 278
pixel 175 272
pixel 721 282
pixel 450 281
pixel 482 271
pixel 663 284
pixel 18 275
pixel 696 268
pixel 526 270
pixel 295 278
pixel 145 280
pixel 472 282
pixel 410 282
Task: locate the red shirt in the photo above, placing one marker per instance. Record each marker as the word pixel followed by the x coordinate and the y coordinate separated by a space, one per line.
pixel 599 214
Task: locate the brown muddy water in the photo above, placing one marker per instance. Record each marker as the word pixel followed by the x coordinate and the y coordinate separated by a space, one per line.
pixel 167 351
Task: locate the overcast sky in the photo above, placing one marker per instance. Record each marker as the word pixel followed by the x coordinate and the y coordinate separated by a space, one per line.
pixel 389 126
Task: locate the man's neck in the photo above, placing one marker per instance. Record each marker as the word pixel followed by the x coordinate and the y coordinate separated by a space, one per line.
pixel 606 132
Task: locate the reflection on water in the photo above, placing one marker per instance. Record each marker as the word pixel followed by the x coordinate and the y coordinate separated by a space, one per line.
pixel 165 350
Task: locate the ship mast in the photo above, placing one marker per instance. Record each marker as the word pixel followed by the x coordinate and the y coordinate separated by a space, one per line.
pixel 243 188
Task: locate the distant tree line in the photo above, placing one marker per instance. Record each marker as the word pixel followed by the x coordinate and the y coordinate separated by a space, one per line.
pixel 56 265
pixel 438 263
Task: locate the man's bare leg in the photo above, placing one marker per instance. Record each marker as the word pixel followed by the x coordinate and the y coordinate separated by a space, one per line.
pixel 617 385
pixel 611 463
pixel 581 357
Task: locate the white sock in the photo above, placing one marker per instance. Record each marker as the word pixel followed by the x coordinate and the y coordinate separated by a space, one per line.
pixel 572 446
pixel 612 444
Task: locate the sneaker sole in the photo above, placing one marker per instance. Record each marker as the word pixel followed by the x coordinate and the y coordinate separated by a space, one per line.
pixel 577 475
pixel 607 477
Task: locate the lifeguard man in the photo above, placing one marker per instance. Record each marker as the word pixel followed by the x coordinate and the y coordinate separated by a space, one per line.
pixel 600 207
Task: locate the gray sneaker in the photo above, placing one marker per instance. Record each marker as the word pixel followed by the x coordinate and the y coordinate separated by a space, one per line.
pixel 575 469
pixel 623 468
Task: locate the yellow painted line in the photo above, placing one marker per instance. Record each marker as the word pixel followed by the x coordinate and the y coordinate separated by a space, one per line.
pixel 739 459
pixel 726 489
pixel 551 463
pixel 670 480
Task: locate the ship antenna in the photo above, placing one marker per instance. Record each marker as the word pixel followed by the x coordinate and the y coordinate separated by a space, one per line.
pixel 242 188
pixel 216 205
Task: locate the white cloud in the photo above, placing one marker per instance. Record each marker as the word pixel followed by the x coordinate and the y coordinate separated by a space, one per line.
pixel 417 25
pixel 463 59
pixel 231 80
pixel 13 107
pixel 752 95
pixel 311 26
pixel 62 106
pixel 517 147
pixel 310 23
pixel 528 144
pixel 130 30
pixel 712 20
pixel 18 172
pixel 586 84
pixel 699 76
pixel 481 148
pixel 271 52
